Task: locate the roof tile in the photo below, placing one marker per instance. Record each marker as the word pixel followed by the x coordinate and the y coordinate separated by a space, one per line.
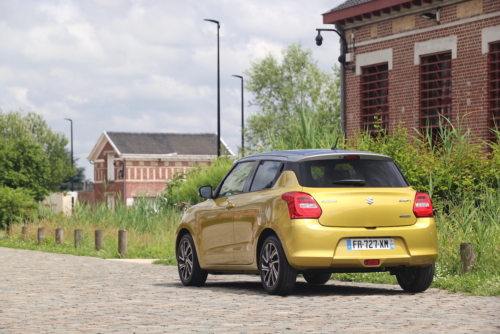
pixel 165 143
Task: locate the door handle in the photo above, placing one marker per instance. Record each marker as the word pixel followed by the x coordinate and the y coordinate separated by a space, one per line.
pixel 229 206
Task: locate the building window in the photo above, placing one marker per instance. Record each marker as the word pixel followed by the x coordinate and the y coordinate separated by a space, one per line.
pixel 375 98
pixel 111 166
pixel 435 92
pixel 494 89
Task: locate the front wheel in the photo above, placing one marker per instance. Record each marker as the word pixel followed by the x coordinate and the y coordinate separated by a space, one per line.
pixel 190 272
pixel 277 275
pixel 415 279
pixel 317 278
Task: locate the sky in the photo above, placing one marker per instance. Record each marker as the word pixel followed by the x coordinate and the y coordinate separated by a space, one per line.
pixel 145 66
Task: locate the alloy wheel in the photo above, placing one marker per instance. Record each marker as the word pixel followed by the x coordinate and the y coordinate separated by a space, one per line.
pixel 270 264
pixel 186 260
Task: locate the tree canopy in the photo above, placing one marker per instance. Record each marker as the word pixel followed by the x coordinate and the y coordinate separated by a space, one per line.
pixel 298 103
pixel 32 156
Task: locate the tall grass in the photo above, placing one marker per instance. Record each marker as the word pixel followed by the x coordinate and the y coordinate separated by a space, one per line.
pixel 150 226
pixel 462 177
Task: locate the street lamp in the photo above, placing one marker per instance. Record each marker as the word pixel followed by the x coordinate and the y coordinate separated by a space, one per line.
pixel 218 87
pixel 319 41
pixel 72 184
pixel 342 60
pixel 242 118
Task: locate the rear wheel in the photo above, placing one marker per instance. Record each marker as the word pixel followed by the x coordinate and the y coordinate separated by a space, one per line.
pixel 317 278
pixel 190 272
pixel 415 279
pixel 277 276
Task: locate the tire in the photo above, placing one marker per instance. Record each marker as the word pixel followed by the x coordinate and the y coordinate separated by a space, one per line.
pixel 276 274
pixel 317 278
pixel 190 272
pixel 415 279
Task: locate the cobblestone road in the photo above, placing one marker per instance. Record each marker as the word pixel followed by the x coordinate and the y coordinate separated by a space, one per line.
pixel 54 293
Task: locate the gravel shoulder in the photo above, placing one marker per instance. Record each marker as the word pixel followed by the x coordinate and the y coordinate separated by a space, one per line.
pixel 57 293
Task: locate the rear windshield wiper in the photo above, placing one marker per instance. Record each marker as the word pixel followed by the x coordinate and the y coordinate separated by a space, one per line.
pixel 350 181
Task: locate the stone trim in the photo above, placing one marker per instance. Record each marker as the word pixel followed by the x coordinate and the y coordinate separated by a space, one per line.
pixel 372 58
pixel 435 46
pixel 488 35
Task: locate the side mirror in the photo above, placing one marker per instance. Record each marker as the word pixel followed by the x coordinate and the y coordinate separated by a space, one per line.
pixel 205 191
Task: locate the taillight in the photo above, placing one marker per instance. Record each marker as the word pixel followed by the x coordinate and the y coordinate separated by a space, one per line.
pixel 422 206
pixel 352 157
pixel 301 205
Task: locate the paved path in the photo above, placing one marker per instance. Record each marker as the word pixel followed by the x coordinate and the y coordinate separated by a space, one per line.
pixel 55 293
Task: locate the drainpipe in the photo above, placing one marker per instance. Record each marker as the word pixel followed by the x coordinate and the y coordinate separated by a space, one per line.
pixel 342 84
pixel 124 182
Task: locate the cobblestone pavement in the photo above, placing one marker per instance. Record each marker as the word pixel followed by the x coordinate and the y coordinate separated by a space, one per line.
pixel 55 293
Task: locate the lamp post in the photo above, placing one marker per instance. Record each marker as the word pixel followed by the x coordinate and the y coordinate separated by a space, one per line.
pixel 218 87
pixel 242 118
pixel 72 162
pixel 342 60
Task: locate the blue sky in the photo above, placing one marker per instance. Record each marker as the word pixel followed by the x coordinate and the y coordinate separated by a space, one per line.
pixel 144 66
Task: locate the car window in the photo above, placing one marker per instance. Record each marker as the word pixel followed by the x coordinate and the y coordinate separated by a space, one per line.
pixel 341 173
pixel 235 181
pixel 265 175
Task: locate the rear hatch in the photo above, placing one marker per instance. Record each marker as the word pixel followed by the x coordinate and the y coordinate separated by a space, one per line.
pixel 371 207
pixel 359 191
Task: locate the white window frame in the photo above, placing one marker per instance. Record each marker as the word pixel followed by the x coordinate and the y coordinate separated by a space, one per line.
pixel 435 46
pixel 373 58
pixel 110 166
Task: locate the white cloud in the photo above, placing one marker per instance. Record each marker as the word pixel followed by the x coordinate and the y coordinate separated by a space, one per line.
pixel 146 66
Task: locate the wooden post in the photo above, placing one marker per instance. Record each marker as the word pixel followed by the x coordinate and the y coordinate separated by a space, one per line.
pixel 41 235
pixel 99 240
pixel 25 232
pixel 78 238
pixel 122 242
pixel 10 230
pixel 59 236
pixel 467 257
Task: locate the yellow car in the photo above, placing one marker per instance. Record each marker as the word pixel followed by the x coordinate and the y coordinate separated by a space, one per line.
pixel 309 212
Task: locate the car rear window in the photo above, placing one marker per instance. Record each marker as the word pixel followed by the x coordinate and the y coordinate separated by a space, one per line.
pixel 351 173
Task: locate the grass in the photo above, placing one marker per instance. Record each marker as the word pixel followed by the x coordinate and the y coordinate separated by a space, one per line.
pixel 150 231
pixel 462 178
pixel 151 235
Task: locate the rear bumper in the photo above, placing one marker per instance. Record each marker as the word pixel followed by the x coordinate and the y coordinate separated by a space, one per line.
pixel 309 245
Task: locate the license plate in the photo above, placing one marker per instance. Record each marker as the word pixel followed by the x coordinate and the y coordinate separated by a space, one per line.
pixel 355 244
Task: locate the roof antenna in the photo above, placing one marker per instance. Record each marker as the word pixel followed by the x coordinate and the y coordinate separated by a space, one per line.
pixel 334 147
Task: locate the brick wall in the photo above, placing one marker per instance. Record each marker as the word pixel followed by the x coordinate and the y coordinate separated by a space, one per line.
pixel 142 178
pixel 469 68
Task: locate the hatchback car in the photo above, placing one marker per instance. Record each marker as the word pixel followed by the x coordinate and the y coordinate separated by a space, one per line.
pixel 309 212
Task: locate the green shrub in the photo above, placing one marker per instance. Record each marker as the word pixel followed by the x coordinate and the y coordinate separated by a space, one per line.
pixel 15 204
pixel 184 188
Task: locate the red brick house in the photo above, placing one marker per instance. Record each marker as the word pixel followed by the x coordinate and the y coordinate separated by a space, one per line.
pixel 128 165
pixel 414 60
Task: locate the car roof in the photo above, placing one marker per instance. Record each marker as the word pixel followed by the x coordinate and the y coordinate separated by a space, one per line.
pixel 314 154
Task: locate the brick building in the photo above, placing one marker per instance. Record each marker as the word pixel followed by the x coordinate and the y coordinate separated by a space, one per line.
pixel 128 165
pixel 414 61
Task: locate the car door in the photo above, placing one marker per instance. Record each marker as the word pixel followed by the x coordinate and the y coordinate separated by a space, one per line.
pixel 252 209
pixel 216 217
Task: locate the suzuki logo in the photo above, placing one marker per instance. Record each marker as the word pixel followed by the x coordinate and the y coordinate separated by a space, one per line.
pixel 369 200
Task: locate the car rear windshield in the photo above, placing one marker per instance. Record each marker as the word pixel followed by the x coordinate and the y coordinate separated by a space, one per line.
pixel 351 173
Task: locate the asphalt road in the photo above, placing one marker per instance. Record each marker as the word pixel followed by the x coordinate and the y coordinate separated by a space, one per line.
pixel 55 293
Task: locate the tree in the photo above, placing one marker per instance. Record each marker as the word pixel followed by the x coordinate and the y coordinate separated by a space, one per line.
pixel 32 156
pixel 298 104
pixel 78 180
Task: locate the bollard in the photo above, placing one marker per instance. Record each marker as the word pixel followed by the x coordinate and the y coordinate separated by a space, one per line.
pixel 59 236
pixel 467 258
pixel 25 232
pixel 78 238
pixel 10 230
pixel 99 240
pixel 122 242
pixel 41 235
